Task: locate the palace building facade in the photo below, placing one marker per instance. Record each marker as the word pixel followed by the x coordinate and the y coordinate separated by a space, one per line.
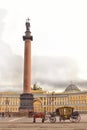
pixel 47 102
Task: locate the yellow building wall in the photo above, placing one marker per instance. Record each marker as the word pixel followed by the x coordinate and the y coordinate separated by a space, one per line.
pixel 46 103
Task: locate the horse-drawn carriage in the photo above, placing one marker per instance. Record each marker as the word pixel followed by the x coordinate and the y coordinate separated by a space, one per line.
pixel 64 113
pixel 68 113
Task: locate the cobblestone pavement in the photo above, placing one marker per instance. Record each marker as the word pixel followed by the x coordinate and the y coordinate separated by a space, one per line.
pixel 24 123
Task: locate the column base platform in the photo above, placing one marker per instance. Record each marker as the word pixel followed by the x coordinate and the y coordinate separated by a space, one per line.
pixel 26 102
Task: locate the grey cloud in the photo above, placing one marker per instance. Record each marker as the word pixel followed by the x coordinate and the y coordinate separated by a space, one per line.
pixel 11 68
pixel 55 73
pixel 11 65
pixel 52 69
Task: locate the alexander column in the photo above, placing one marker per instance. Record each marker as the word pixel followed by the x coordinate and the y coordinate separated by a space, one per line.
pixel 26 99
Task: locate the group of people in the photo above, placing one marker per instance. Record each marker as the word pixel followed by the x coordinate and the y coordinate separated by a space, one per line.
pixel 7 114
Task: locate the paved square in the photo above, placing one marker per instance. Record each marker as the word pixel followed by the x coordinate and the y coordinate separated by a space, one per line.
pixel 24 123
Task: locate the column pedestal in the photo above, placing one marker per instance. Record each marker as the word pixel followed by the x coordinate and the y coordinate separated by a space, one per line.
pixel 26 102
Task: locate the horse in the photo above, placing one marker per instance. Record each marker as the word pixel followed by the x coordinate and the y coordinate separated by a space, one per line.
pixel 44 116
pixel 38 115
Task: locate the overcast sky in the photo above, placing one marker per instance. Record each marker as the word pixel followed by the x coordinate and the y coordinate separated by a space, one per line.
pixel 59 29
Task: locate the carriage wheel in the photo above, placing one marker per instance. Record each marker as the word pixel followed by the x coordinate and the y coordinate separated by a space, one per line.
pixel 52 119
pixel 76 119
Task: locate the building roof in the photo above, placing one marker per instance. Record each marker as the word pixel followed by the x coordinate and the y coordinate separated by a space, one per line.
pixel 72 88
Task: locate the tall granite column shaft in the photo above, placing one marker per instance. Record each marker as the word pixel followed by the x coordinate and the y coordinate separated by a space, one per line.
pixel 27 67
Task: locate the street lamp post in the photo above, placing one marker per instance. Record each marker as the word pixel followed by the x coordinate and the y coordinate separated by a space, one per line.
pixel 52 101
pixel 7 103
pixel 47 102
